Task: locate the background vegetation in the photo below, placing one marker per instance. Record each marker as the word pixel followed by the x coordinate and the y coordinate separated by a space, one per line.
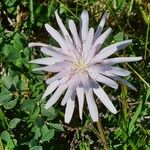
pixel 25 124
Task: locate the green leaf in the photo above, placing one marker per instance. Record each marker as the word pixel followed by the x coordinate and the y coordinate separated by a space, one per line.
pixel 5 96
pixel 36 148
pixel 48 135
pixel 56 126
pixel 39 122
pixel 37 132
pixel 11 144
pixel 9 2
pixel 28 106
pixel 7 49
pixel 119 37
pixel 13 56
pixel 148 94
pixel 134 118
pixel 23 84
pixel 44 129
pixel 15 80
pixel 35 114
pixel 7 81
pixel 32 143
pixel 17 43
pixel 13 123
pixel 5 136
pixel 11 104
pixel 50 113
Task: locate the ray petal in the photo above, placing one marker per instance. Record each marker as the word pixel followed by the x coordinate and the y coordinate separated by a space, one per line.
pixel 97 44
pixel 80 96
pixel 45 61
pixel 57 36
pixel 87 45
pixel 91 105
pixel 124 82
pixel 104 80
pixel 54 98
pixel 100 26
pixel 109 50
pixel 51 87
pixel 72 50
pixel 104 99
pixel 55 54
pixel 72 87
pixel 120 72
pixel 74 33
pixel 84 25
pixel 69 109
pixel 33 44
pixel 55 67
pixel 85 82
pixel 113 61
pixel 58 76
pixel 61 25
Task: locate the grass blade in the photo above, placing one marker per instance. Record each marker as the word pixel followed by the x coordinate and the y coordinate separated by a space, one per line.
pixel 134 118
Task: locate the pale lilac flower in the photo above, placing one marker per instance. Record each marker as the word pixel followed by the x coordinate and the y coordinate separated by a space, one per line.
pixel 80 64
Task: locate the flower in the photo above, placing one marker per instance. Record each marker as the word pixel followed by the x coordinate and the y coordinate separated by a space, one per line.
pixel 80 64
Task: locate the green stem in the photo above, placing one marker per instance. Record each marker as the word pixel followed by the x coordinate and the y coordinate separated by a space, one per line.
pixel 125 114
pixel 7 126
pixel 124 103
pixel 102 135
pixel 31 12
pixel 1 145
pixel 146 83
pixel 125 147
pixel 147 35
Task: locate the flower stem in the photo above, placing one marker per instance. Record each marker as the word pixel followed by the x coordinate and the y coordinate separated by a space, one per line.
pixel 102 135
pixel 124 114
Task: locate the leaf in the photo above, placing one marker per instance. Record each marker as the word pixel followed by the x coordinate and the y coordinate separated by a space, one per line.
pixel 50 113
pixel 35 113
pixel 11 144
pixel 11 104
pixel 28 106
pixel 15 80
pixel 10 3
pixel 7 48
pixel 5 136
pixel 7 81
pixel 17 43
pixel 5 96
pixel 37 132
pixel 48 135
pixel 13 56
pixel 119 37
pixel 44 129
pixel 32 143
pixel 36 148
pixel 13 123
pixel 56 126
pixel 134 118
pixel 39 122
pixel 148 94
pixel 23 84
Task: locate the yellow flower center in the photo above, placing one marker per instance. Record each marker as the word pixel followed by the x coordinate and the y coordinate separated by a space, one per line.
pixel 80 66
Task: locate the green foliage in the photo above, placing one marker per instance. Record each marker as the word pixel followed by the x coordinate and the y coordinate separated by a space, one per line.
pixel 25 123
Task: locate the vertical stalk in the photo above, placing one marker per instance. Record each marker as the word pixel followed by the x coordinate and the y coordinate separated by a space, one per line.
pixel 7 126
pixel 102 135
pixel 1 145
pixel 124 114
pixel 31 12
pixel 147 35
